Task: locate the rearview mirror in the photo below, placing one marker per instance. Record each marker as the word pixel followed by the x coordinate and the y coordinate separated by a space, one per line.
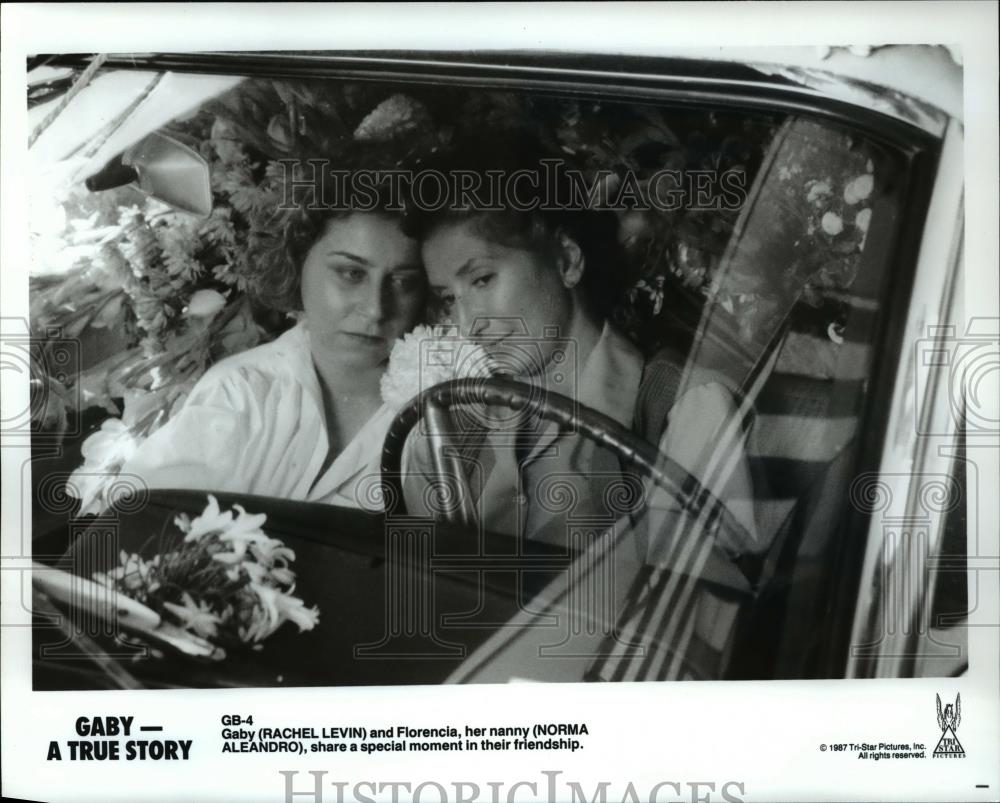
pixel 164 168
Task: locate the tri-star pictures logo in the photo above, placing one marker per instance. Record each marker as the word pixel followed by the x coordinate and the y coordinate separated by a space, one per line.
pixel 948 720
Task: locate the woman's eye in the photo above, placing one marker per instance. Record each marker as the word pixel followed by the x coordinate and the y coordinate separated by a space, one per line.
pixel 351 275
pixel 483 280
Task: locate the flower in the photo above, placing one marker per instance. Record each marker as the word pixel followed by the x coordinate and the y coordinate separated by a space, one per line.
pixel 294 610
pixel 196 616
pixel 859 188
pixel 283 576
pixel 832 224
pixel 205 303
pixel 818 191
pixel 861 220
pixel 104 454
pixel 134 573
pixel 214 520
pixel 271 551
pixel 275 608
pixel 428 356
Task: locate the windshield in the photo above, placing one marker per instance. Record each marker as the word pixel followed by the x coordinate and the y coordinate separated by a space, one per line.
pixel 719 290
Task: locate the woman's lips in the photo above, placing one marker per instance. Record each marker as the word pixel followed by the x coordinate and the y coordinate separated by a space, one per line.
pixel 490 343
pixel 358 337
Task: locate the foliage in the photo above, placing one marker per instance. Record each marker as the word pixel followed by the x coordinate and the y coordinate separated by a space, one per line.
pixel 165 294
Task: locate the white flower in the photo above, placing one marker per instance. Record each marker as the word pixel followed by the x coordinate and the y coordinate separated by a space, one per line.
pixel 256 572
pixel 245 527
pixel 274 609
pixel 228 557
pixel 265 616
pixel 132 575
pixel 294 610
pixel 205 303
pixel 428 356
pixel 859 188
pixel 818 191
pixel 271 551
pixel 104 454
pixel 832 224
pixel 282 576
pixel 197 617
pixel 862 220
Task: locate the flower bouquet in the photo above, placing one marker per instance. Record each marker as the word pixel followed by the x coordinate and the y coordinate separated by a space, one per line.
pixel 218 582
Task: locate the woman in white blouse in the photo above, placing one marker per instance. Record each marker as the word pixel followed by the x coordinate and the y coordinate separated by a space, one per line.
pixel 302 417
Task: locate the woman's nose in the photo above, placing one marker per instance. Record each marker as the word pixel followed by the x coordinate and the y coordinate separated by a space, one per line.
pixel 471 320
pixel 479 326
pixel 375 302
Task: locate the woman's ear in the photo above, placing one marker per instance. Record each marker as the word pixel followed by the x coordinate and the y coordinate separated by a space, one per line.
pixel 569 260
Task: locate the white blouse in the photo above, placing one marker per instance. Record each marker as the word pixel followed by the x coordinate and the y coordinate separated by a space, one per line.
pixel 254 424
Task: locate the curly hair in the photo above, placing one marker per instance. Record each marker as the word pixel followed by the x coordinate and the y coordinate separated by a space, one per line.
pixel 282 233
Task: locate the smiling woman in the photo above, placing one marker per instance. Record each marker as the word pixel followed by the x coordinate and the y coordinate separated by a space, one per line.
pixel 302 417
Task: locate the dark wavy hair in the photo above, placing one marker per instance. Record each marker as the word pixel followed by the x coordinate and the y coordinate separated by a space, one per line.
pixel 595 231
pixel 282 233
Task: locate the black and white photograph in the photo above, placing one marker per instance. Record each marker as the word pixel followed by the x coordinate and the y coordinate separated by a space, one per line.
pixel 419 366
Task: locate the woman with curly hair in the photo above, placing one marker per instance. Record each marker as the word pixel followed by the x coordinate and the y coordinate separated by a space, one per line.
pixel 302 417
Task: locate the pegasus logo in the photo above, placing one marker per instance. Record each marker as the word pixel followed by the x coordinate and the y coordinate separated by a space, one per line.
pixel 950 717
pixel 948 721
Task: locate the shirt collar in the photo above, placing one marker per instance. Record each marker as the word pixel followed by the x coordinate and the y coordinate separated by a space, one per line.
pixel 359 459
pixel 608 382
pixel 362 455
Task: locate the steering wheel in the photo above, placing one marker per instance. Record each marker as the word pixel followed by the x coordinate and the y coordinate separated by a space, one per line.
pixel 685 489
pixel 688 560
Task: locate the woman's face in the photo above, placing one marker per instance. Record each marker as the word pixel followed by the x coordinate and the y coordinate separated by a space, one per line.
pixel 362 287
pixel 494 292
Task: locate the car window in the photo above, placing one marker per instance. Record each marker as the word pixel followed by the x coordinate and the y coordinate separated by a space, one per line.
pixel 804 282
pixel 756 249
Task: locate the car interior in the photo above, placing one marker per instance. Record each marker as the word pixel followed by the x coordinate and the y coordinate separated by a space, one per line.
pixel 786 297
